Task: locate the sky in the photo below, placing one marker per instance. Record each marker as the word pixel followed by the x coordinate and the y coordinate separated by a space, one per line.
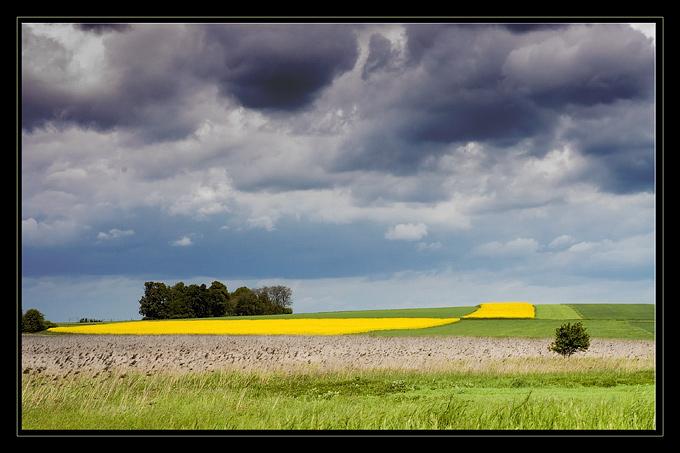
pixel 364 165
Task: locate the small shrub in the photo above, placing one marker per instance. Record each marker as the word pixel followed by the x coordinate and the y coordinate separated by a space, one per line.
pixel 570 339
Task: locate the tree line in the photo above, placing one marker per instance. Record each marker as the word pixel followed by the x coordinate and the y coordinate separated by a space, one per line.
pixel 161 301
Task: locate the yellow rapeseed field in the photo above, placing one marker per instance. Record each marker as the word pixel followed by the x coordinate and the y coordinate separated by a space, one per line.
pixel 256 326
pixel 503 310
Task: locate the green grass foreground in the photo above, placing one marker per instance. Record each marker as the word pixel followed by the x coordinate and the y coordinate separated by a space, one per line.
pixel 595 399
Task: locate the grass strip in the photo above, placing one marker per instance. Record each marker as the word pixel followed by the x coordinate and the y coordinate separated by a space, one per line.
pixel 602 399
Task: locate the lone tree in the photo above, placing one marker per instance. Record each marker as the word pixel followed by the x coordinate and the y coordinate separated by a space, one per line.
pixel 570 339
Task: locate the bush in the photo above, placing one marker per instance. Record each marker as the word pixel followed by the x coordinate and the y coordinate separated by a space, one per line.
pixel 33 321
pixel 570 339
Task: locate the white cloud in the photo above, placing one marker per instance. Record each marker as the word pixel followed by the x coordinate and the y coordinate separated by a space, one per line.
pixel 648 29
pixel 587 246
pixel 407 232
pixel 561 241
pixel 632 251
pixel 114 233
pixel 424 246
pixel 632 256
pixel 515 248
pixel 48 233
pixel 266 222
pixel 184 242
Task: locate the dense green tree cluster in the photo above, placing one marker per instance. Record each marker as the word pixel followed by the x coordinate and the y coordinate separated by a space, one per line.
pixel 34 321
pixel 161 301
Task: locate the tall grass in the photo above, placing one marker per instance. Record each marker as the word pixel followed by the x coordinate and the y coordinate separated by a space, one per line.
pixel 505 399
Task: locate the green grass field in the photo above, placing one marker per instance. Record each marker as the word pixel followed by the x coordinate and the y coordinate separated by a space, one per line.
pixel 585 394
pixel 376 400
pixel 611 321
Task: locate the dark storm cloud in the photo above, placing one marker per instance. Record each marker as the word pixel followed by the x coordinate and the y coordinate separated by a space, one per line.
pixel 451 92
pixel 492 84
pixel 502 85
pixel 618 140
pixel 101 28
pixel 154 72
pixel 382 55
pixel 529 27
pixel 281 67
pixel 585 65
pixel 139 83
pixel 131 110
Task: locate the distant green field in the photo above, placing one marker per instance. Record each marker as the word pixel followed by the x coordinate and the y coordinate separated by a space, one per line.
pixel 623 321
pixel 530 328
pixel 556 311
pixel 615 311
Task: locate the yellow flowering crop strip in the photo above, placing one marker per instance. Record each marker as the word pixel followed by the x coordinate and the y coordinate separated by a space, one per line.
pixel 256 326
pixel 503 310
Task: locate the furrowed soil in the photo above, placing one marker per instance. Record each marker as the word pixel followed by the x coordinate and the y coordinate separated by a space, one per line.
pixel 64 355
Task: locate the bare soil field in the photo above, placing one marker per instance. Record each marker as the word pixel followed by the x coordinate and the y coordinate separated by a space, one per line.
pixel 64 355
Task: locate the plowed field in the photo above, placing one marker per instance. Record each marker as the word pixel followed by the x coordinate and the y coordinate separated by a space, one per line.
pixel 93 354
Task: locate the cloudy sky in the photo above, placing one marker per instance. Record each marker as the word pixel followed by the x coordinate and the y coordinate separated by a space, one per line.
pixel 365 165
